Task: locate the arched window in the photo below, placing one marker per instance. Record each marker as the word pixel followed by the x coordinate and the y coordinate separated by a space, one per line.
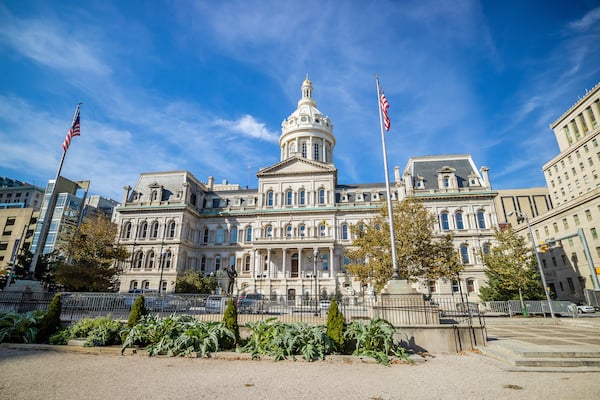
pixel 167 259
pixel 205 236
pixel 203 263
pixel 446 181
pixel 150 260
pixel 432 287
pixel 143 230
pixel 455 286
pixel 139 257
pixel 464 253
pixel 480 219
pixel 217 263
pixel 219 235
pixel 289 197
pixel 444 221
pixel 302 229
pixel 133 285
pixel 288 231
pixel 470 285
pixel 232 260
pixel 171 230
pixel 345 232
pixel 126 230
pixel 304 150
pixel 269 231
pixel 249 234
pixel 154 195
pixel 316 152
pixel 459 220
pixel 270 198
pixel 322 230
pixel 145 284
pixel 302 197
pixel 154 230
pixel 247 263
pixel 233 235
pixel 321 196
pixel 486 248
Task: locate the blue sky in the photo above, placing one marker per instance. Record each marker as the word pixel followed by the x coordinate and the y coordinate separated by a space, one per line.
pixel 204 85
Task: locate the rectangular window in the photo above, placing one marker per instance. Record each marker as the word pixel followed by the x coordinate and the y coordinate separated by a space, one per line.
pixel 555 227
pixel 588 215
pixel 576 219
pixel 546 230
pixel 565 223
pixel 594 233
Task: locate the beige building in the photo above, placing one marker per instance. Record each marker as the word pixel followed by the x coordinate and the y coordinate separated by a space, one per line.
pixel 288 236
pixel 17 226
pixel 571 227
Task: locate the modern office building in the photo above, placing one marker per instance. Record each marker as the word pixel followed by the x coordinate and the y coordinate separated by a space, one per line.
pixel 70 197
pixel 14 193
pixel 570 230
pixel 288 236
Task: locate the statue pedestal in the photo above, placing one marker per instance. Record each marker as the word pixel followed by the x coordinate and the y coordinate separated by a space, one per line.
pixel 401 305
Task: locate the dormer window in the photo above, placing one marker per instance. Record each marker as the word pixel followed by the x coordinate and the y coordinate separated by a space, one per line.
pixel 446 181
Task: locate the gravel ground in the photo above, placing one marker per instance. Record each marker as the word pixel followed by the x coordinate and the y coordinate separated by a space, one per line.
pixel 35 374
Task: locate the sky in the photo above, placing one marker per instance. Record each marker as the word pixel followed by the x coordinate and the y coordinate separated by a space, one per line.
pixel 203 86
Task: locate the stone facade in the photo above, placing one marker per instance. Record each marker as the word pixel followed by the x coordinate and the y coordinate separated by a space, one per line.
pixel 289 235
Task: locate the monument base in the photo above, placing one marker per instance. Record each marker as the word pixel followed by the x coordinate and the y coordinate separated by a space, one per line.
pixel 401 305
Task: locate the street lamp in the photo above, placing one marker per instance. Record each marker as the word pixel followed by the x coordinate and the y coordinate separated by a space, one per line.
pixel 316 294
pixel 523 217
pixel 162 267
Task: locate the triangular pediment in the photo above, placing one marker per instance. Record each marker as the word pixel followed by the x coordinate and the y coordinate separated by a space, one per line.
pixel 296 165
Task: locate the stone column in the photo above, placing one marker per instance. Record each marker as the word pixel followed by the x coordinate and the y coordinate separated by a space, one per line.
pixel 573 129
pixel 579 123
pixel 588 119
pixel 596 111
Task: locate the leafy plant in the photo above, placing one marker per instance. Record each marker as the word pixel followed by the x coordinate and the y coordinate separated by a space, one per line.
pixel 20 327
pixel 273 338
pixel 176 335
pixel 50 323
pixel 374 339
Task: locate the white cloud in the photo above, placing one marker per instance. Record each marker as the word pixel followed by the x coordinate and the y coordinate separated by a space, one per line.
pixel 248 126
pixel 589 20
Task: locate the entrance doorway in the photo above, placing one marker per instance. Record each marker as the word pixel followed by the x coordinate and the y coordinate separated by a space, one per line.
pixel 295 265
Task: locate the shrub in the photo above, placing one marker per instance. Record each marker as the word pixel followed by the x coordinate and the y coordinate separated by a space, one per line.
pixel 336 326
pixel 374 339
pixel 50 323
pixel 138 310
pixel 20 328
pixel 176 335
pixel 230 322
pixel 273 338
pixel 101 331
pixel 61 337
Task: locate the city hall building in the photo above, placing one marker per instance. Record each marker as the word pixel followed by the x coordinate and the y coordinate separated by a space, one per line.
pixel 288 236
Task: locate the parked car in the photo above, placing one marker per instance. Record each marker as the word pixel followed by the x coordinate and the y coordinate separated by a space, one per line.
pixel 584 308
pixel 467 308
pixel 252 303
pixel 325 304
pixel 150 296
pixel 215 304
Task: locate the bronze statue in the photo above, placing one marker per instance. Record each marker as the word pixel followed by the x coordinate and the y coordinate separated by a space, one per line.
pixel 232 274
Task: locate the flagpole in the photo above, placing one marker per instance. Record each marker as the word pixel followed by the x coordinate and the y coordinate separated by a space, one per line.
pixel 47 218
pixel 396 273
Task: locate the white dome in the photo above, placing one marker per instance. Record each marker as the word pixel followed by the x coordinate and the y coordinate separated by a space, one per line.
pixel 307 132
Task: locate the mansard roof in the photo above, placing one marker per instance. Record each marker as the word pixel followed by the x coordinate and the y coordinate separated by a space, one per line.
pixel 429 167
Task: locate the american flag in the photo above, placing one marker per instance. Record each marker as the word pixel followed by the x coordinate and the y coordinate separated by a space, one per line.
pixel 383 103
pixel 74 131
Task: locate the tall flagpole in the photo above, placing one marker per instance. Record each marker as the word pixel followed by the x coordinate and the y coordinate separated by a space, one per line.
pixel 396 273
pixel 47 217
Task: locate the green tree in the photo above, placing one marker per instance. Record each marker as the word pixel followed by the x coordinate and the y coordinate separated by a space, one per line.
pixel 511 269
pixel 195 282
pixel 50 323
pixel 93 258
pixel 230 321
pixel 420 253
pixel 138 310
pixel 336 326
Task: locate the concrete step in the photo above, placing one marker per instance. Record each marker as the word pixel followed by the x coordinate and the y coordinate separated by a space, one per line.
pixel 511 358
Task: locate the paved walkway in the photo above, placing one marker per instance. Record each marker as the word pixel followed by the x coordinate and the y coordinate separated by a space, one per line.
pixel 561 342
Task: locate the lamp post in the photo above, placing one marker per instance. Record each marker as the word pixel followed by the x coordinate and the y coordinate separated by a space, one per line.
pixel 523 217
pixel 316 294
pixel 162 267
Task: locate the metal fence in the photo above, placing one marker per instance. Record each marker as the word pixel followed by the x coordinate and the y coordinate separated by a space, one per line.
pixel 532 307
pixel 412 310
